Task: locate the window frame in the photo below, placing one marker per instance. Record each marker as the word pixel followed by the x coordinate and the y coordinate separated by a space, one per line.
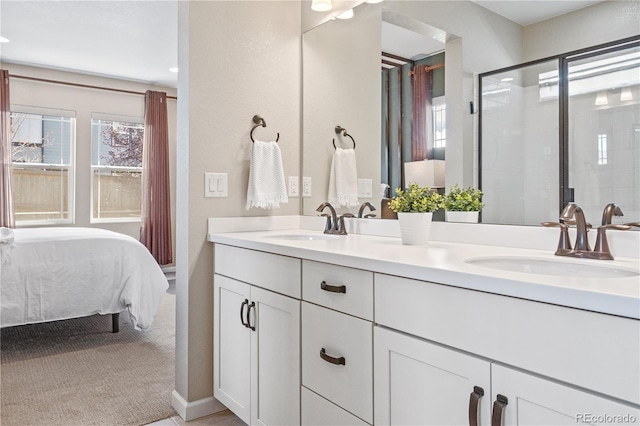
pixel 70 168
pixel 121 119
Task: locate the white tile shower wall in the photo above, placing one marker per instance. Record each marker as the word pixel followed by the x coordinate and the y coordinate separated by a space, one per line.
pixel 503 153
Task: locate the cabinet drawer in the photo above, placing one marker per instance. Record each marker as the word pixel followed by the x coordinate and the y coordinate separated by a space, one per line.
pixel 349 385
pixel 317 411
pixel 271 271
pixel 337 287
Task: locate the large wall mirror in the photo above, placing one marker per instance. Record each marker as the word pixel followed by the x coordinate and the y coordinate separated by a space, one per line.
pixel 342 82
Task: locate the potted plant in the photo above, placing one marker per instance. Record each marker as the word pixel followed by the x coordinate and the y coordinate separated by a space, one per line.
pixel 415 207
pixel 462 205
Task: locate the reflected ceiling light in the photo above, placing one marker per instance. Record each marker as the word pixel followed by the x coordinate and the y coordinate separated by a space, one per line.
pixel 506 79
pixel 174 69
pixel 347 14
pixel 601 99
pixel 4 40
pixel 625 94
pixel 321 5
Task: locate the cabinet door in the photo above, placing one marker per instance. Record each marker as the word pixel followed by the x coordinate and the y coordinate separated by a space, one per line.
pixel 532 400
pixel 420 383
pixel 231 346
pixel 275 359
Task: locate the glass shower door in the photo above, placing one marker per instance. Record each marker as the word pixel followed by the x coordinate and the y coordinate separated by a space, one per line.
pixel 604 131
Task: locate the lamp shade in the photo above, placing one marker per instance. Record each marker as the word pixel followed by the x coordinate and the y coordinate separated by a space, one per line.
pixel 321 5
pixel 429 173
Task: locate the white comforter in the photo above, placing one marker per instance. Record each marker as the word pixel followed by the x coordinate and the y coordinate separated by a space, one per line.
pixel 60 273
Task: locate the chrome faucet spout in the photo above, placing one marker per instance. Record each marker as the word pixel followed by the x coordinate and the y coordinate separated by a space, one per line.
pixel 610 210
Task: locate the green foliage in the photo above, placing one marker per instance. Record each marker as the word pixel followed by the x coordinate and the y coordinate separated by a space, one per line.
pixel 463 200
pixel 416 199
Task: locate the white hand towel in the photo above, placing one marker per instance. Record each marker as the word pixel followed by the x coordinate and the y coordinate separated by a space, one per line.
pixel 6 243
pixel 266 177
pixel 343 178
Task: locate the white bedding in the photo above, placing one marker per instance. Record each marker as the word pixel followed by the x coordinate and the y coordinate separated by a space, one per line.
pixel 61 273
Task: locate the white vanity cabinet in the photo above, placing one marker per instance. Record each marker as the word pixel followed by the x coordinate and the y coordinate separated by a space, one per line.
pixel 337 345
pixel 579 364
pixel 257 335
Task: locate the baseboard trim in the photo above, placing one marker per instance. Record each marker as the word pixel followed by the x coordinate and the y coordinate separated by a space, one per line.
pixel 195 409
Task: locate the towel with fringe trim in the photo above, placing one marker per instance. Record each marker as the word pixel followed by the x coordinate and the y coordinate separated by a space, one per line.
pixel 343 179
pixel 266 177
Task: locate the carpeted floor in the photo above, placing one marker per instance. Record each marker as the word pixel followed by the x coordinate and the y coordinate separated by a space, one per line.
pixel 77 372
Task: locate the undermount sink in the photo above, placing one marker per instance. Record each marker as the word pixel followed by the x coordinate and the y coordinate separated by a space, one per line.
pixel 551 267
pixel 303 237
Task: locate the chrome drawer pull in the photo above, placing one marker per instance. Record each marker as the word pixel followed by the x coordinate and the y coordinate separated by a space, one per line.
pixel 332 360
pixel 333 288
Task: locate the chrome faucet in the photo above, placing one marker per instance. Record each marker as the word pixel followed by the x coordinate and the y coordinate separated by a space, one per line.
pixel 365 205
pixel 572 214
pixel 331 225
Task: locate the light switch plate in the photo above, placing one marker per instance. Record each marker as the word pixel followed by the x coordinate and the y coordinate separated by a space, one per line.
pixel 365 188
pixel 215 185
pixel 294 188
pixel 306 186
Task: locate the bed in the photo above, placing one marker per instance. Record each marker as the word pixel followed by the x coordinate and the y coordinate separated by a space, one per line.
pixel 50 274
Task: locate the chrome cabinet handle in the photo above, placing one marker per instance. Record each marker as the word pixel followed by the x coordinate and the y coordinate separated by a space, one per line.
pixel 333 288
pixel 332 360
pixel 252 327
pixel 498 410
pixel 474 401
pixel 246 302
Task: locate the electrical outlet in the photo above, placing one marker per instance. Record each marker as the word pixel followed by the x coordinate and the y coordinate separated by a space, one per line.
pixel 294 189
pixel 306 186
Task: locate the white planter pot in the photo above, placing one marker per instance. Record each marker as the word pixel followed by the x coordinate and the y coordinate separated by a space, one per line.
pixel 466 217
pixel 415 228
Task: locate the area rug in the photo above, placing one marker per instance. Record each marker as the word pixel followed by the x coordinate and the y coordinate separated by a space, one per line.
pixel 77 372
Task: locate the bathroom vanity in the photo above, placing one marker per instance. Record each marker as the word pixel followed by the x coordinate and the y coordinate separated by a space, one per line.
pixel 359 329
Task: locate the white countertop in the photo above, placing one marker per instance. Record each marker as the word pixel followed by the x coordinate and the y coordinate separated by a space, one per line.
pixel 443 263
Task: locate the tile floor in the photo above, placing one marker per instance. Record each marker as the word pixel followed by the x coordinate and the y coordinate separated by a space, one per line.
pixel 223 418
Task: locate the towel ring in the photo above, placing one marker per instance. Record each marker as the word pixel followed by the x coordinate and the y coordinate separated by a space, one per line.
pixel 260 122
pixel 344 133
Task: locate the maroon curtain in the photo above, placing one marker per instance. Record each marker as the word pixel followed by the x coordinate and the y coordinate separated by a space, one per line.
pixel 155 232
pixel 7 209
pixel 422 144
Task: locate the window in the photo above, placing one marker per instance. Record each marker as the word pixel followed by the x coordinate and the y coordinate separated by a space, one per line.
pixel 116 165
pixel 439 110
pixel 602 149
pixel 42 143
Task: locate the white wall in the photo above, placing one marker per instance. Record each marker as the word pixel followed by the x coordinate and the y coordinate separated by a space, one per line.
pixel 236 59
pixel 85 101
pixel 601 23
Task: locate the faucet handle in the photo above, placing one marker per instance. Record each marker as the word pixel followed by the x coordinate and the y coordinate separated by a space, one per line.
pixel 328 224
pixel 564 243
pixel 342 230
pixel 636 224
pixel 601 248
